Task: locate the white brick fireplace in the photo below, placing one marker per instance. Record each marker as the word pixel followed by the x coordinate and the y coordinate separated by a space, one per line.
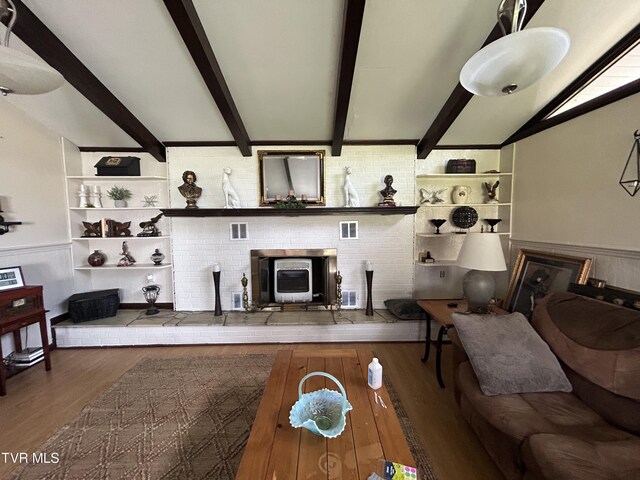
pixel 199 242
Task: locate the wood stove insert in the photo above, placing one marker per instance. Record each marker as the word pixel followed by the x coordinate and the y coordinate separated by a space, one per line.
pixel 306 279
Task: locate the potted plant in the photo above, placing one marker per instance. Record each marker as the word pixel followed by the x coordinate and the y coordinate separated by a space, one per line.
pixel 119 195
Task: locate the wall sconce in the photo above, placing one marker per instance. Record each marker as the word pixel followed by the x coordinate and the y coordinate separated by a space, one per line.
pixel 4 226
pixel 630 178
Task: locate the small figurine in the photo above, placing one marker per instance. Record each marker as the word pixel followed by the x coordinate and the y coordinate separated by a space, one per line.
pixel 127 259
pixel 150 201
pixel 231 199
pixel 387 193
pixel 149 228
pixel 189 189
pixel 350 194
pixel 492 192
pixel 432 196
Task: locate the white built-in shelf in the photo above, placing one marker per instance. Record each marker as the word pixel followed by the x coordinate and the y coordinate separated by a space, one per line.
pixel 463 175
pixel 115 208
pixel 464 204
pixel 120 238
pixel 137 266
pixel 437 263
pixel 454 234
pixel 123 178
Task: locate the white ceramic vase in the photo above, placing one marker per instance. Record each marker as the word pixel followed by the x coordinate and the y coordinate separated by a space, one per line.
pixel 460 194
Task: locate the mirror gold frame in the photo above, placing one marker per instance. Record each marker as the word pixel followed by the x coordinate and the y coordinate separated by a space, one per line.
pixel 286 171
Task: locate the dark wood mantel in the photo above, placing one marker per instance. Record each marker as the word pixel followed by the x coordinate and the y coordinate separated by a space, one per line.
pixel 287 212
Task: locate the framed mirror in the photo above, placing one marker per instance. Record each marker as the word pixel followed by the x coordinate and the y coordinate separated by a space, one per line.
pixel 298 173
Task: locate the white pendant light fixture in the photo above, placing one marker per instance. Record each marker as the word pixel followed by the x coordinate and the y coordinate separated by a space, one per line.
pixel 517 60
pixel 20 73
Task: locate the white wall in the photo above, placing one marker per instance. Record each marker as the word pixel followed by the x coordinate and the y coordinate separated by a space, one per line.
pixel 32 191
pixel 387 241
pixel 566 193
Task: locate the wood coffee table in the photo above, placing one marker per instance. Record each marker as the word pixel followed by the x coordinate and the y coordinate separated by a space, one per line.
pixel 276 450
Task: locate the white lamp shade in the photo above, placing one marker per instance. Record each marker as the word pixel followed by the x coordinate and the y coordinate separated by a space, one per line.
pixel 482 251
pixel 518 59
pixel 23 74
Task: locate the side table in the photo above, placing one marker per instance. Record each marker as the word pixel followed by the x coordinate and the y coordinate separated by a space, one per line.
pixel 20 307
pixel 439 311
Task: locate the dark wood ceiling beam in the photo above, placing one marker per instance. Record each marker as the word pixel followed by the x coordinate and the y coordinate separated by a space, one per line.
pixel 538 123
pixel 351 27
pixel 460 97
pixel 188 23
pixel 50 48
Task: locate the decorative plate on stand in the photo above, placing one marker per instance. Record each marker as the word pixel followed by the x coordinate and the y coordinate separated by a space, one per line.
pixel 464 217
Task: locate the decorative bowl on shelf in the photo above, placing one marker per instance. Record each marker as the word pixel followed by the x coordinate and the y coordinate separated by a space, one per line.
pixel 437 222
pixel 492 223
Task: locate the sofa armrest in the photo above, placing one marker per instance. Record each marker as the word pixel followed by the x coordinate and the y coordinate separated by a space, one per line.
pixel 458 356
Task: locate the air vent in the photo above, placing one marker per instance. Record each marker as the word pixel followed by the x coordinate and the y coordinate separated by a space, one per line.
pixel 349 299
pixel 239 231
pixel 348 230
pixel 236 301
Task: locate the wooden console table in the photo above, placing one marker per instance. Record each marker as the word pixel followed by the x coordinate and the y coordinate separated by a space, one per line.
pixel 440 311
pixel 21 307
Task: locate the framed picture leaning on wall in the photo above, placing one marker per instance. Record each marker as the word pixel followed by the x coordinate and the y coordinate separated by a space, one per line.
pixel 538 273
pixel 11 277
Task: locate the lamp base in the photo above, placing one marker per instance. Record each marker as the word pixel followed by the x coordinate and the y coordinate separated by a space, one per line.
pixel 483 310
pixel 479 288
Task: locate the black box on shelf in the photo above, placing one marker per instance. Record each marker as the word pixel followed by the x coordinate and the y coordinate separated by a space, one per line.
pixel 93 305
pixel 460 165
pixel 118 166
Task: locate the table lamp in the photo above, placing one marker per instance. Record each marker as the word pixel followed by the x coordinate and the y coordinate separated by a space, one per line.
pixel 482 253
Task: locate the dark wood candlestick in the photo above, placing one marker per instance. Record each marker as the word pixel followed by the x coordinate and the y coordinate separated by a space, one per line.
pixel 369 310
pixel 216 282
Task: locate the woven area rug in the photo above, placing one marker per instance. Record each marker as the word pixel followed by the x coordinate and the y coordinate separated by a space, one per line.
pixel 172 418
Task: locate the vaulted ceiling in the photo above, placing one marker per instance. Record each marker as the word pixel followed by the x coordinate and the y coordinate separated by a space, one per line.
pixel 249 72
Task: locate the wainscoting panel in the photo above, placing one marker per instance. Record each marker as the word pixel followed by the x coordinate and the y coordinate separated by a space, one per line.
pixel 47 265
pixel 617 267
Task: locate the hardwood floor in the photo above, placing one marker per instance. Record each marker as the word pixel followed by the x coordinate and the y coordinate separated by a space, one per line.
pixel 38 403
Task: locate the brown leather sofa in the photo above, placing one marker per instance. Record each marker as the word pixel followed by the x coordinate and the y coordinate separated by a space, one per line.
pixel 591 433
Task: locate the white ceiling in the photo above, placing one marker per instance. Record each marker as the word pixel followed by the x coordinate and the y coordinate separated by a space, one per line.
pixel 280 59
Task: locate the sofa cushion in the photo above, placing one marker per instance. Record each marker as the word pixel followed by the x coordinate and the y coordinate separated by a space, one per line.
pixel 520 415
pixel 405 309
pixel 581 458
pixel 598 340
pixel 508 356
pixel 621 411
